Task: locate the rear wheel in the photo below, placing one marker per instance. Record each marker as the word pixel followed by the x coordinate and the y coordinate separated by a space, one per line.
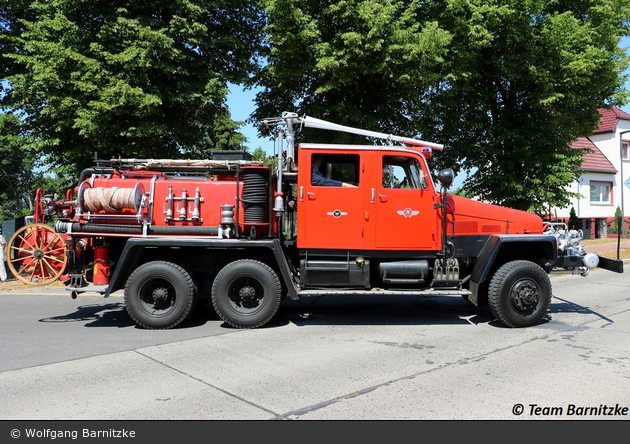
pixel 519 294
pixel 160 295
pixel 36 255
pixel 246 293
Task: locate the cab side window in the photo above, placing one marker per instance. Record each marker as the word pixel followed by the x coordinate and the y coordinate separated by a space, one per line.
pixel 402 172
pixel 335 170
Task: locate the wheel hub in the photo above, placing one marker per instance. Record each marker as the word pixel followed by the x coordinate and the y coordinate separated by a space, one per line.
pixel 160 294
pixel 38 254
pixel 247 293
pixel 525 295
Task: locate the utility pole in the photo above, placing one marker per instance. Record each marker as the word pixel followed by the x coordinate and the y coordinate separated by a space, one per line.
pixel 623 185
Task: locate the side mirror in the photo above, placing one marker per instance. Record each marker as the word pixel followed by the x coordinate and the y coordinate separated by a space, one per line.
pixel 446 177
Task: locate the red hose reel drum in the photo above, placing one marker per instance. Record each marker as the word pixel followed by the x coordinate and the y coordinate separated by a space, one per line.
pixel 110 200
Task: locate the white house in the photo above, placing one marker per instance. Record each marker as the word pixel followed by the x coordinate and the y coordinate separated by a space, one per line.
pixel 600 185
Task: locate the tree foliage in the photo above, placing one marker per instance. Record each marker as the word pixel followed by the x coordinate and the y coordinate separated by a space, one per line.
pixel 524 79
pixel 506 85
pixel 357 62
pixel 261 155
pixel 15 169
pixel 227 135
pixel 139 79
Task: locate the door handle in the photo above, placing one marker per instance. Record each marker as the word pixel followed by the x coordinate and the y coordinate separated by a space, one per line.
pixel 372 195
pixel 301 194
pixel 382 196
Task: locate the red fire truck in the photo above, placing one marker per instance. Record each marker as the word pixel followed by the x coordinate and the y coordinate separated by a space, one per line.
pixel 244 234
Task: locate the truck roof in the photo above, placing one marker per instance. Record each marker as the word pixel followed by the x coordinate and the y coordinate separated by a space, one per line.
pixel 425 151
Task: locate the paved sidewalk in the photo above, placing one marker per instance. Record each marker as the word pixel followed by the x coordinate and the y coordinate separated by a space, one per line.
pixel 612 246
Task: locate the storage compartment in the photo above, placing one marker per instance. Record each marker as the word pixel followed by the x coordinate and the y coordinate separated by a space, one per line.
pixel 231 155
pixel 404 272
pixel 322 273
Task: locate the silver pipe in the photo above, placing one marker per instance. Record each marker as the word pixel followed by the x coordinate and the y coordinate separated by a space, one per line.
pixel 169 200
pixel 195 213
pixel 182 210
pixel 290 146
pixel 278 205
pixel 582 271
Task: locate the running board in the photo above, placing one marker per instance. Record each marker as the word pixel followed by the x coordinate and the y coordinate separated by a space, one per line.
pixel 380 291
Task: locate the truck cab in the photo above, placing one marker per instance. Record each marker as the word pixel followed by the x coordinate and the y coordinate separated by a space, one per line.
pixel 375 198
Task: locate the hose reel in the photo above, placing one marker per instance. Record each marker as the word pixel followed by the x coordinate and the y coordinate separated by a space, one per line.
pixel 110 200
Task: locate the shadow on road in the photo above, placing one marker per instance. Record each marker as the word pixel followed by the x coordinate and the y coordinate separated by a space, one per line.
pixel 571 307
pixel 115 315
pixel 337 310
pixel 381 310
pixel 96 315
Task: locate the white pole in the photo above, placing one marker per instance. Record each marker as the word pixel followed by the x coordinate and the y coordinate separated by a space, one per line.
pixel 623 219
pixel 311 122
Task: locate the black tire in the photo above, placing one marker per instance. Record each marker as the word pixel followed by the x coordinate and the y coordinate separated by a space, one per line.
pixel 160 295
pixel 519 294
pixel 246 293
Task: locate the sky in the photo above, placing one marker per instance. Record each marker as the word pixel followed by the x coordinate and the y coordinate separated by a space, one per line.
pixel 241 104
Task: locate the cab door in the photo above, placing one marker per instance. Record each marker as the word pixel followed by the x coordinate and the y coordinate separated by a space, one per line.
pixel 404 201
pixel 330 215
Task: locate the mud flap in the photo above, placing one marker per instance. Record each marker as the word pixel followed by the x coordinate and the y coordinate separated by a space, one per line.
pixel 610 264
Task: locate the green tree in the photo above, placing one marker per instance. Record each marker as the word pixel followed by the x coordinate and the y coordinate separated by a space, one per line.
pixel 15 169
pixel 138 79
pixel 11 11
pixel 616 226
pixel 574 222
pixel 360 63
pixel 522 81
pixel 260 154
pixel 223 134
pixel 506 85
pixel 227 135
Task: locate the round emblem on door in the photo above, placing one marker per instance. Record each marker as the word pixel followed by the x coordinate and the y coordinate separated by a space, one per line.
pixel 408 212
pixel 337 213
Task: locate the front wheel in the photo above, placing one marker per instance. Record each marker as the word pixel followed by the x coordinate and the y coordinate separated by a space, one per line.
pixel 519 294
pixel 246 293
pixel 160 295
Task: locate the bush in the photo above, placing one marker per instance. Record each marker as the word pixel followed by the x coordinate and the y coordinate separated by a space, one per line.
pixel 574 222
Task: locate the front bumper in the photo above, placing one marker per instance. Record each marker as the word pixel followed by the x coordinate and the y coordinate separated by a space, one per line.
pixel 576 262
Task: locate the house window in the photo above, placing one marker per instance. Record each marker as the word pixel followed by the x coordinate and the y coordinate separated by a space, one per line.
pixel 625 150
pixel 600 192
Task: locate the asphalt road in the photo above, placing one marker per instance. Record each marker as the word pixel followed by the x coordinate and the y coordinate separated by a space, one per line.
pixel 332 358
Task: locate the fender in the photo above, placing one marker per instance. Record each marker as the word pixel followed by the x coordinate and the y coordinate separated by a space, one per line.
pixel 134 246
pixel 540 247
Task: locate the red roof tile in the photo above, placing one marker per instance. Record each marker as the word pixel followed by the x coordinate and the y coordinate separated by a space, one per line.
pixel 594 160
pixel 609 118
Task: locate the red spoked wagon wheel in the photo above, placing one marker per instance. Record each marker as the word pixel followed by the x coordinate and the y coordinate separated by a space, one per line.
pixel 36 255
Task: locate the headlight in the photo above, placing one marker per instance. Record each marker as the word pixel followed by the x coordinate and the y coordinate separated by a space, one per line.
pixel 590 260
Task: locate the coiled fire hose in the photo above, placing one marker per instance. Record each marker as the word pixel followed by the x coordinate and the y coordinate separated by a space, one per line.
pixel 110 200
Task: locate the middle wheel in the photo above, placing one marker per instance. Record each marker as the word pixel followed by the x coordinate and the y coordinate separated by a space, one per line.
pixel 160 295
pixel 246 293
